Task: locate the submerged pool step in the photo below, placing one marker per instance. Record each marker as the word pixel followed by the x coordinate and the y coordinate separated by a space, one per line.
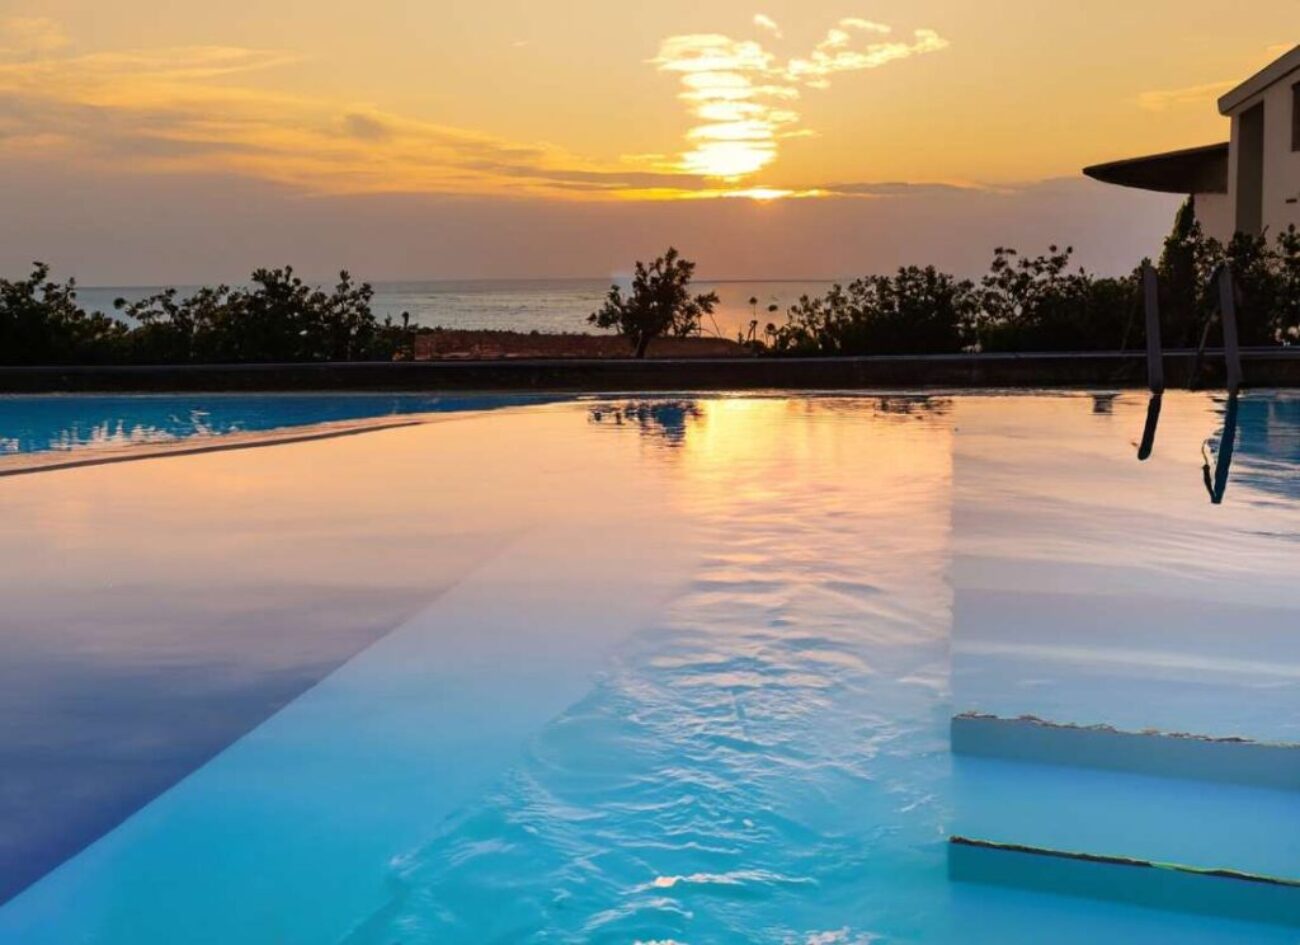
pixel 1218 829
pixel 1227 893
pixel 1159 754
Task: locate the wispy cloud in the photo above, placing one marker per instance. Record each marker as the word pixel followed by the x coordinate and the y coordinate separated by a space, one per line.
pixel 30 36
pixel 765 22
pixel 901 188
pixel 741 94
pixel 838 52
pixel 1159 100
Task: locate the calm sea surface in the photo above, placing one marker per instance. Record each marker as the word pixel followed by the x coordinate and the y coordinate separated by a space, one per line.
pixel 550 305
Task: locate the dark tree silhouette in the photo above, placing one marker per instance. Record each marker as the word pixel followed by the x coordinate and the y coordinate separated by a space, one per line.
pixel 915 311
pixel 278 318
pixel 41 323
pixel 1183 269
pixel 1038 303
pixel 660 303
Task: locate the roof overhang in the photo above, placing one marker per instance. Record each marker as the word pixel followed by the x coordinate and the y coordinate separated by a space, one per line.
pixel 1192 171
pixel 1275 72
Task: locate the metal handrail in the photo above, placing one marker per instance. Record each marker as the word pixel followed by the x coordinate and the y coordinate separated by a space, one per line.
pixel 1221 279
pixel 1228 316
pixel 1155 351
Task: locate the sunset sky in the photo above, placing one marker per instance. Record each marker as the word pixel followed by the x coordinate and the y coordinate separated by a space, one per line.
pixel 144 142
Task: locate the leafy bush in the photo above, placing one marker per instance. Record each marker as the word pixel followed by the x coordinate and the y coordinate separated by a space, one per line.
pixel 1023 304
pixel 914 310
pixel 1038 303
pixel 1267 298
pixel 1287 273
pixel 1267 277
pixel 279 318
pixel 41 323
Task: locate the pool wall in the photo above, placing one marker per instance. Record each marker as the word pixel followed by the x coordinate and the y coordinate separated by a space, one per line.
pixel 1263 367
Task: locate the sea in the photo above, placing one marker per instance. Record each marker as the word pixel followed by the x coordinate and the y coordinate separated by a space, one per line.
pixel 545 305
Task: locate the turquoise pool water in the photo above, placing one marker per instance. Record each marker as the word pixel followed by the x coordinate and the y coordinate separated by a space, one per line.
pixel 647 670
pixel 38 424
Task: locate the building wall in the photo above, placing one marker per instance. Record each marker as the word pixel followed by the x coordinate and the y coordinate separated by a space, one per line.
pixel 1217 215
pixel 1281 164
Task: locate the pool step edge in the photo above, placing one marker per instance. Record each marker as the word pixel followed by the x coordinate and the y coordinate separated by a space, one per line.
pixel 1220 892
pixel 1230 760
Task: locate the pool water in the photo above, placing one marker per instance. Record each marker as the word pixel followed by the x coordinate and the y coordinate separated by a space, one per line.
pixel 659 669
pixel 38 424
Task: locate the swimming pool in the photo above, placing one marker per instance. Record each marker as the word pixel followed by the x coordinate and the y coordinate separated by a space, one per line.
pixel 661 669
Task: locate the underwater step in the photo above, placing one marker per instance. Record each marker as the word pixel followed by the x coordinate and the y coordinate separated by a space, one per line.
pixel 1160 754
pixel 1166 820
pixel 1226 893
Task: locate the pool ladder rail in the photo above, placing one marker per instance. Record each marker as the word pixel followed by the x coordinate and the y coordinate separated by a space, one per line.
pixel 1214 468
pixel 1222 280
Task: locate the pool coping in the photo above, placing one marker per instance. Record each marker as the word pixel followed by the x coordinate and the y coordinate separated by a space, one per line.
pixel 1263 367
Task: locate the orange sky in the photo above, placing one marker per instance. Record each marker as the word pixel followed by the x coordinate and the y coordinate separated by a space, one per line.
pixel 587 102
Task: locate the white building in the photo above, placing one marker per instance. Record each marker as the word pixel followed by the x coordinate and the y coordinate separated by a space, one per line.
pixel 1250 184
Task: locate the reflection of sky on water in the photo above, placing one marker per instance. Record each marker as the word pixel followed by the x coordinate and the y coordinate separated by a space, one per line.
pixel 1094 589
pixel 636 669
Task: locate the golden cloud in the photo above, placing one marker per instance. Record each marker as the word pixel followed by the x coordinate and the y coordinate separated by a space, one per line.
pixel 739 91
pixel 765 22
pixel 1159 100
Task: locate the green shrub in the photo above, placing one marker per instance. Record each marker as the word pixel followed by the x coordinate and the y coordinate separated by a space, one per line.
pixel 278 318
pixel 912 311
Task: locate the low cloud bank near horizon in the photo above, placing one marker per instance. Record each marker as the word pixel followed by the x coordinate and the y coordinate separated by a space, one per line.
pixel 159 229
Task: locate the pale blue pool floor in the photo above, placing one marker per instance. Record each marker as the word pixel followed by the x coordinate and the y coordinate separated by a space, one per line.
pixel 718 716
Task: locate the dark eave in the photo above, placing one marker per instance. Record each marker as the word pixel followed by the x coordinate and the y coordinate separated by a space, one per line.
pixel 1192 171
